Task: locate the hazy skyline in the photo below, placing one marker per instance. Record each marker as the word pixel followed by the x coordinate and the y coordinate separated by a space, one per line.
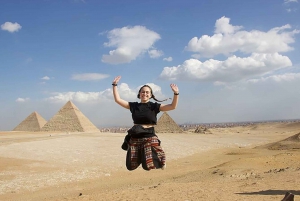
pixel 232 60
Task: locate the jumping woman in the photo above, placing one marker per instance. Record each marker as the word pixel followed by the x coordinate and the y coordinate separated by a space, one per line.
pixel 141 142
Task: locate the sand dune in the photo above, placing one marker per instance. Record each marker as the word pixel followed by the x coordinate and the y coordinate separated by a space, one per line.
pixel 237 163
pixel 290 143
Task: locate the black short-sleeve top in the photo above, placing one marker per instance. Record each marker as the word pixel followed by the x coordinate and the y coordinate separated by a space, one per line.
pixel 144 113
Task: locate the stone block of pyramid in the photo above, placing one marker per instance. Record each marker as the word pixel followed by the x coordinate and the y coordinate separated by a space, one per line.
pixel 166 124
pixel 70 119
pixel 34 122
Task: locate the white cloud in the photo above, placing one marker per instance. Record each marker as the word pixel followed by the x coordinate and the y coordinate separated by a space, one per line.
pixel 130 42
pixel 45 78
pixel 20 100
pixel 223 27
pixel 80 96
pixel 127 93
pixel 89 76
pixel 289 7
pixel 168 59
pixel 277 78
pixel 11 27
pixel 290 1
pixel 232 69
pixel 228 39
pixel 76 96
pixel 155 53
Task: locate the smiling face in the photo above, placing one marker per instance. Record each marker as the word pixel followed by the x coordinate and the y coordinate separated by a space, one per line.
pixel 145 94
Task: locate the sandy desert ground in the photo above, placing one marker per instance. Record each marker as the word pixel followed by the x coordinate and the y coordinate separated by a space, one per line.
pixel 251 163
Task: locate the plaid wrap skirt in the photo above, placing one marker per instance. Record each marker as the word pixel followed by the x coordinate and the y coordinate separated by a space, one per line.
pixel 145 151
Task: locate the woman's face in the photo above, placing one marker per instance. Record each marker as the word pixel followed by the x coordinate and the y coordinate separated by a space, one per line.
pixel 145 94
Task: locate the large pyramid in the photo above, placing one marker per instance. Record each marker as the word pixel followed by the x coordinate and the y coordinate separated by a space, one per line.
pixel 70 119
pixel 166 124
pixel 34 122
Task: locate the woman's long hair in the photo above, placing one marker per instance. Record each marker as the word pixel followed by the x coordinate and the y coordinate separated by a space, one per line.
pixel 152 95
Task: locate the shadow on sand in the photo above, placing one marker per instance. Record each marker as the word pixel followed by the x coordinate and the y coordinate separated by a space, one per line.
pixel 271 192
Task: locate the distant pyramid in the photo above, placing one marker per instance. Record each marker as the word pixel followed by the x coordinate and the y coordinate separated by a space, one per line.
pixel 70 119
pixel 166 124
pixel 202 130
pixel 34 122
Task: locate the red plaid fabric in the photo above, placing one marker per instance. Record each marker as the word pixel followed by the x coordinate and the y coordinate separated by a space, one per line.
pixel 145 151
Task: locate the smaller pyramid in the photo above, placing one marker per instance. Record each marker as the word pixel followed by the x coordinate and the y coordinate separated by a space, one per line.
pixel 202 130
pixel 34 122
pixel 166 124
pixel 69 119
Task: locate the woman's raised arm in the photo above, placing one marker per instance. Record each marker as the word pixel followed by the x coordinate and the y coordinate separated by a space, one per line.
pixel 117 98
pixel 174 103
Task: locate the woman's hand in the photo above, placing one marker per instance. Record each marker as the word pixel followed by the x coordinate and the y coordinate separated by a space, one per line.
pixel 117 79
pixel 174 88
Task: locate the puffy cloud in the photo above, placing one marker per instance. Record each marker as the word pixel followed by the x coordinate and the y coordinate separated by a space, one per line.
pixel 155 53
pixel 130 42
pixel 222 26
pixel 232 69
pixel 76 96
pixel 228 39
pixel 11 27
pixel 82 97
pixel 168 59
pixel 21 100
pixel 127 93
pixel 89 76
pixel 45 78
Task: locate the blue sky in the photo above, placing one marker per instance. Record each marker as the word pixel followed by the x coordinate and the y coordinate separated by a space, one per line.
pixel 232 60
